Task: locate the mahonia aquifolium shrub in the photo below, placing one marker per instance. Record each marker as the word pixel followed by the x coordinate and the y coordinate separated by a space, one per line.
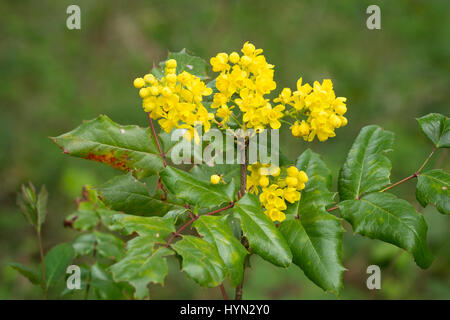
pixel 285 214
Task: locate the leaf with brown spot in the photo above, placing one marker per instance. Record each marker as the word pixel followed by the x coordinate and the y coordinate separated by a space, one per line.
pixel 126 148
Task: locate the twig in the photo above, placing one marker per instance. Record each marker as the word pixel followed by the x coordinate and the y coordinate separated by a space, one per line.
pixel 187 224
pixel 242 191
pixel 44 274
pixel 413 175
pixel 224 293
pixel 163 156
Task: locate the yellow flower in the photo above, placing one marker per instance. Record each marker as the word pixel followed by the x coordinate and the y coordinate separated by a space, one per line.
pixel 215 179
pixel 139 83
pixel 175 100
pixel 171 63
pixel 264 181
pixel 291 194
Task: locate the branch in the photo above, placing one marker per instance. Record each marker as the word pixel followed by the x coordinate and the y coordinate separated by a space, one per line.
pixel 413 175
pixel 224 293
pixel 163 156
pixel 187 224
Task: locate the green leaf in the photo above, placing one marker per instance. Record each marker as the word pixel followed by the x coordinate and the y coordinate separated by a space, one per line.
pixel 86 216
pixel 383 216
pixel 315 240
pixel 228 172
pixel 185 62
pixel 217 231
pixel 316 193
pixel 314 166
pixel 127 148
pixel 139 270
pixel 56 262
pixel 437 128
pixel 367 168
pixel 41 207
pixel 263 237
pixel 201 261
pixel 152 226
pixel 84 244
pixel 103 284
pixel 194 191
pixel 433 187
pixel 27 272
pixel 109 246
pixel 127 194
pixel 26 200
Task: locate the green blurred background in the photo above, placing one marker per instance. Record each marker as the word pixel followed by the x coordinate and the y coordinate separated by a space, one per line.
pixel 53 78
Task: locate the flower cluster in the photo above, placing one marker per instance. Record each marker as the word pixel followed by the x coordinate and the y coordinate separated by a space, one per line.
pixel 175 100
pixel 244 80
pixel 319 104
pixel 273 196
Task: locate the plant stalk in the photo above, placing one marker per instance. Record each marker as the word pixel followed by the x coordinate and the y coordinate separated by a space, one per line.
pixel 44 275
pixel 242 191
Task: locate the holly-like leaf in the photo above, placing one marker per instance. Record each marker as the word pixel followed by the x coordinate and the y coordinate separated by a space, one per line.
pixel 103 284
pixel 41 207
pixel 433 187
pixel 263 237
pixel 314 166
pixel 195 191
pixel 315 240
pixel 109 246
pixel 84 244
pixel 367 168
pixel 201 261
pixel 385 217
pixel 127 148
pixel 151 226
pixel 437 128
pixel 86 216
pixel 141 269
pixel 316 193
pixel 56 262
pixel 217 231
pixel 185 62
pixel 228 172
pixel 126 193
pixel 27 272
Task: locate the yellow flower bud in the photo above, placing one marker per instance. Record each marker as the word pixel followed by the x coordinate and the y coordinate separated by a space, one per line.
pixel 138 83
pixel 264 181
pixel 302 177
pixel 171 63
pixel 149 78
pixel 340 109
pixel 246 60
pixel 248 48
pixel 172 78
pixel 154 91
pixel 291 181
pixel 144 92
pixel 215 179
pixel 292 171
pixel 234 57
pixel 166 92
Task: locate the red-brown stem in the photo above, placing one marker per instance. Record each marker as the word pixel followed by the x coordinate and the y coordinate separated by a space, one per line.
pixel 187 224
pixel 163 156
pixel 333 208
pixel 224 293
pixel 413 175
pixel 400 182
